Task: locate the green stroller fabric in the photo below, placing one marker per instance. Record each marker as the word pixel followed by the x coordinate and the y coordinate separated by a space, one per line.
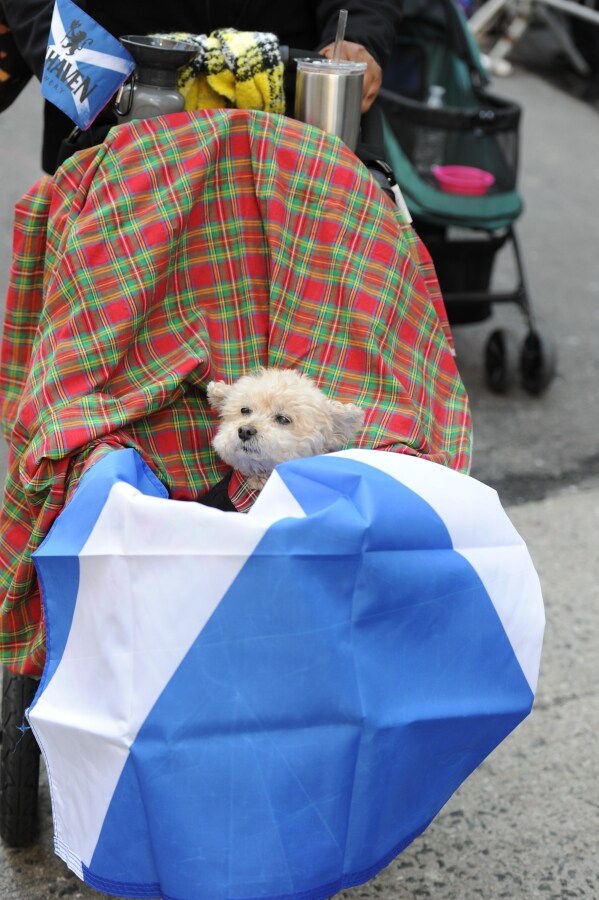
pixel 473 127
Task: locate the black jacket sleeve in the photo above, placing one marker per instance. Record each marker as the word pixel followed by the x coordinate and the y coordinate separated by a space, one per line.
pixel 30 21
pixel 372 23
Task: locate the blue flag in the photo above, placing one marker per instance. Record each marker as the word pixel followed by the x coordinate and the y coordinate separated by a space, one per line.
pixel 273 705
pixel 85 65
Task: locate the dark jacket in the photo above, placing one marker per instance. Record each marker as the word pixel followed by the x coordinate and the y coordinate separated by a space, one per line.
pixel 303 24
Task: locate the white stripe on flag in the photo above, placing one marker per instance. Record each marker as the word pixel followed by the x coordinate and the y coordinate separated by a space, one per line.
pixel 103 60
pixel 463 503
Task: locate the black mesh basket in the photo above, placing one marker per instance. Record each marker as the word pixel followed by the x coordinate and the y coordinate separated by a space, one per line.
pixel 463 265
pixel 484 136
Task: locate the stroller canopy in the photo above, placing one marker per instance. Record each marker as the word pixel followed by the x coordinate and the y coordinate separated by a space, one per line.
pixel 198 248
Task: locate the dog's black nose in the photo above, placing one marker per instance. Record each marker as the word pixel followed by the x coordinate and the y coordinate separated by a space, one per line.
pixel 246 432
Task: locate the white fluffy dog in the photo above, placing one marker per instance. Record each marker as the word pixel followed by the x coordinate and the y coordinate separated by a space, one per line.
pixel 274 415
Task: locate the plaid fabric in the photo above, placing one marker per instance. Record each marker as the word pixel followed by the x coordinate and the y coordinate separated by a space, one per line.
pixel 171 256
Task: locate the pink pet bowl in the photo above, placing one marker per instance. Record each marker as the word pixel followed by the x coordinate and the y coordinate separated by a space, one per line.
pixel 463 179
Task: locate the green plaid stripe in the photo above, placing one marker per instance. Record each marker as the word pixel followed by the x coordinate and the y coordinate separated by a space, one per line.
pixel 169 257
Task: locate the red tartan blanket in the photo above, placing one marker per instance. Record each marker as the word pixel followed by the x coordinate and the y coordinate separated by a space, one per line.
pixel 170 256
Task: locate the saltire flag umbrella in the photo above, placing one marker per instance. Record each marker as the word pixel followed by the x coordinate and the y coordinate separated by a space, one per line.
pixel 85 65
pixel 275 704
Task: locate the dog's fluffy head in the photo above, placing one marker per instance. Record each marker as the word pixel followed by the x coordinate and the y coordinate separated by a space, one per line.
pixel 274 415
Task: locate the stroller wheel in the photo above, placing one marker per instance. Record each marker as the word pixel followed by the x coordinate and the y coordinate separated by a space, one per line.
pixel 537 362
pixel 501 360
pixel 19 763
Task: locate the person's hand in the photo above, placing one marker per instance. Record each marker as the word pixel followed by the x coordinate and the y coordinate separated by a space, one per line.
pixel 373 75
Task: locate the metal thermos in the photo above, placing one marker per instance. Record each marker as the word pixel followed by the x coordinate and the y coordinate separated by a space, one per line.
pixel 152 90
pixel 328 94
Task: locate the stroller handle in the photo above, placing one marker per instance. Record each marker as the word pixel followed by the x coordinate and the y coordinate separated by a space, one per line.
pixel 290 55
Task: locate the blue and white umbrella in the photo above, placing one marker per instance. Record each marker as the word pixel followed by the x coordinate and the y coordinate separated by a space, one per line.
pixel 275 704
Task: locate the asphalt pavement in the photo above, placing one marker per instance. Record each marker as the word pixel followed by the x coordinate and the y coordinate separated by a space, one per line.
pixel 526 823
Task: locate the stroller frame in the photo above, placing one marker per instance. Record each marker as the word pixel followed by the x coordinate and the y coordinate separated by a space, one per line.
pixel 474 128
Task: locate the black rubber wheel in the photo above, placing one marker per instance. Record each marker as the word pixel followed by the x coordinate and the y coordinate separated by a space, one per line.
pixel 537 362
pixel 19 763
pixel 501 360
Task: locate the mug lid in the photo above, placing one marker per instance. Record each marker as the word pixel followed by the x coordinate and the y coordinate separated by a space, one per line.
pixel 347 66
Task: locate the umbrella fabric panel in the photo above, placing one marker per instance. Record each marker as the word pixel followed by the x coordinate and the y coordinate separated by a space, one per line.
pixel 329 676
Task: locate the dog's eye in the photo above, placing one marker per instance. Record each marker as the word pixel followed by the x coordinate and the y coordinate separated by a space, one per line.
pixel 245 411
pixel 282 420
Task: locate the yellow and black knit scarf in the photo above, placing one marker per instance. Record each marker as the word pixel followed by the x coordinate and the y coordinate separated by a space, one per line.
pixel 241 69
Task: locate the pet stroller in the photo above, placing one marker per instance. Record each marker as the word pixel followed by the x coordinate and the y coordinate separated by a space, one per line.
pixel 162 272
pixel 434 136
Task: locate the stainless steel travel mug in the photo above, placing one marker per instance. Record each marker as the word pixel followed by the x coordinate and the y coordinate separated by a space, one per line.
pixel 329 95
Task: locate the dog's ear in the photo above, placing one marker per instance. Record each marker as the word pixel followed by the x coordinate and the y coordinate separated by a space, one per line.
pixel 216 392
pixel 347 420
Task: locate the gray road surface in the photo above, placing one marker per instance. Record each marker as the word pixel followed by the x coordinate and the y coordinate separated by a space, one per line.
pixel 526 824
